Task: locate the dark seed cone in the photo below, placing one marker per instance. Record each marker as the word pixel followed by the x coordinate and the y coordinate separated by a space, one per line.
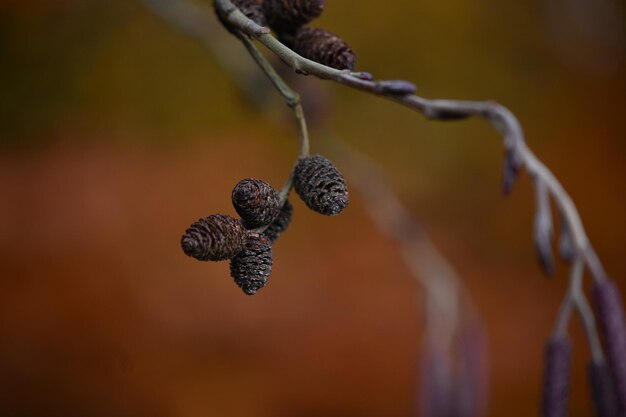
pixel 281 223
pixel 287 16
pixel 324 47
pixel 613 327
pixel 603 390
pixel 214 238
pixel 320 185
pixel 257 202
pixel 252 266
pixel 251 8
pixel 556 377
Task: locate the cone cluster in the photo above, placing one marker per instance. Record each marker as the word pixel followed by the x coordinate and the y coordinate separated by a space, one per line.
pixel 219 237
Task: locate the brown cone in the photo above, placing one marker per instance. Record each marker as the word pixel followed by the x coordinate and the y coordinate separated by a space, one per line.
pixel 324 47
pixel 214 238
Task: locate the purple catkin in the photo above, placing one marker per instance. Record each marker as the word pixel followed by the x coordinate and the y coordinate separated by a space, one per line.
pixel 252 266
pixel 251 8
pixel 287 16
pixel 602 390
pixel 556 377
pixel 435 392
pixel 324 47
pixel 214 238
pixel 257 202
pixel 613 327
pixel 280 224
pixel 472 376
pixel 320 185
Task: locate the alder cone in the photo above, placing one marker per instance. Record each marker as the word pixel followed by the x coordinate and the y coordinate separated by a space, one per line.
pixel 257 202
pixel 251 8
pixel 214 238
pixel 280 224
pixel 320 185
pixel 287 16
pixel 252 266
pixel 324 47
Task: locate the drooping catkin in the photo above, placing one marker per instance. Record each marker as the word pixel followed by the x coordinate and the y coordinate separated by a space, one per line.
pixel 602 390
pixel 472 371
pixel 287 16
pixel 556 377
pixel 280 224
pixel 320 185
pixel 252 266
pixel 257 202
pixel 436 397
pixel 251 8
pixel 214 238
pixel 610 311
pixel 324 47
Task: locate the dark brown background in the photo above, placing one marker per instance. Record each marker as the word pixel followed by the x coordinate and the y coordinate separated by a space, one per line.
pixel 116 133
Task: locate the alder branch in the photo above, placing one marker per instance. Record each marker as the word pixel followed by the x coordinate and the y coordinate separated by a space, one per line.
pixel 574 243
pixel 499 116
pixel 517 155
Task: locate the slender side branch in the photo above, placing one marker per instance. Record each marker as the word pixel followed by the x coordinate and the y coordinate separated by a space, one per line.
pixel 499 116
pixel 575 299
pixel 291 97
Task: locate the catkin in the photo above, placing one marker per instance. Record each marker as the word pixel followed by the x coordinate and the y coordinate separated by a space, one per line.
pixel 214 238
pixel 252 266
pixel 613 327
pixel 320 185
pixel 257 202
pixel 324 47
pixel 556 377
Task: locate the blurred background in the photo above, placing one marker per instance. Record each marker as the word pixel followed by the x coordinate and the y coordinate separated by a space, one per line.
pixel 117 131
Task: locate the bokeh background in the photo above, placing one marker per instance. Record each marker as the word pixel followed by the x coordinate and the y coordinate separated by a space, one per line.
pixel 117 131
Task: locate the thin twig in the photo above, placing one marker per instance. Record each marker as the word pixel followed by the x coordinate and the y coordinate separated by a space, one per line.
pixel 291 97
pixel 575 299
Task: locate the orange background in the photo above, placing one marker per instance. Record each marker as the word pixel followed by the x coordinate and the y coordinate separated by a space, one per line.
pixel 116 132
